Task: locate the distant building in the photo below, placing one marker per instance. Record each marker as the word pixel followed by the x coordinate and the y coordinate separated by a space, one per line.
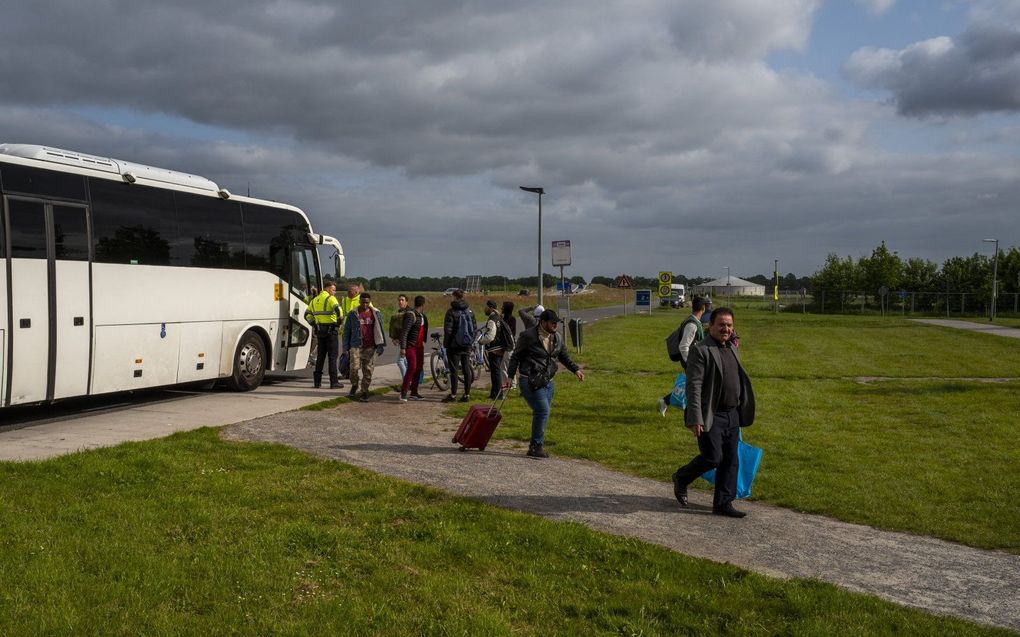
pixel 731 286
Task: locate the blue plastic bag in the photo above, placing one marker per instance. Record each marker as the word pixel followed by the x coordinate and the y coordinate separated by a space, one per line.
pixel 748 458
pixel 679 396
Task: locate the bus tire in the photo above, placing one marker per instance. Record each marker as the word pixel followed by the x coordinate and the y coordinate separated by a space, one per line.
pixel 249 363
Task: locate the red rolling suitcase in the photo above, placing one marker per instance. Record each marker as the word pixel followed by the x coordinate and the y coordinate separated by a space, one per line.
pixel 477 427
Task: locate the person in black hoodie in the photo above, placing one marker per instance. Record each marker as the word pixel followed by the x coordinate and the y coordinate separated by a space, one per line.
pixel 535 355
pixel 458 336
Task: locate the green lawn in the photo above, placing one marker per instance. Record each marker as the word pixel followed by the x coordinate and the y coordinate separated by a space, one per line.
pixel 927 452
pixel 191 535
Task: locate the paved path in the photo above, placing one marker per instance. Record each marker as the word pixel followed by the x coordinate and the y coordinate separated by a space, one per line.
pixel 110 426
pixel 988 328
pixel 412 441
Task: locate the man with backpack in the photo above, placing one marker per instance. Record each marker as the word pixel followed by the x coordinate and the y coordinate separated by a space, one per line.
pixel 414 328
pixel 497 339
pixel 690 333
pixel 396 324
pixel 458 338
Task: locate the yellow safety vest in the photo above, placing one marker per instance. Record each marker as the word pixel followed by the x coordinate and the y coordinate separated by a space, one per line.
pixel 324 310
pixel 350 303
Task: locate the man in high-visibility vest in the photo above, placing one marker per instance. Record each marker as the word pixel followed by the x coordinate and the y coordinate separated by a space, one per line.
pixel 324 313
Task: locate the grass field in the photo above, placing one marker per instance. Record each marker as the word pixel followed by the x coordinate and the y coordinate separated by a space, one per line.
pixel 191 535
pixel 878 421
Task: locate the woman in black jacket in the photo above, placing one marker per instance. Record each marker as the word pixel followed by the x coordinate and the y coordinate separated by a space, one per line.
pixel 535 356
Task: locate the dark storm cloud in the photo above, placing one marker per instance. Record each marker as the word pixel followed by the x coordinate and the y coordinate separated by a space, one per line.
pixel 976 72
pixel 662 135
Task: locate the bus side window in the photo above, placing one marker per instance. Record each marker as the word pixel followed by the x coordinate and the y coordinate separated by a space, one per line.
pixel 268 232
pixel 133 224
pixel 42 183
pixel 210 231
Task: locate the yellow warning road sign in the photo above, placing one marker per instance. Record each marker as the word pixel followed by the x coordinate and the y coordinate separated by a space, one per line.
pixel 665 279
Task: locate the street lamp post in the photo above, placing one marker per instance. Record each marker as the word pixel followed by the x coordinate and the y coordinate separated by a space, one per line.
pixel 538 191
pixel 728 293
pixel 995 275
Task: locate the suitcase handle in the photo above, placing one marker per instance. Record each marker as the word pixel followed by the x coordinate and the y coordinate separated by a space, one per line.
pixel 497 400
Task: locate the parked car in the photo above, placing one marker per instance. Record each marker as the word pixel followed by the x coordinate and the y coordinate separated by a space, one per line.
pixel 449 291
pixel 676 297
pixel 523 292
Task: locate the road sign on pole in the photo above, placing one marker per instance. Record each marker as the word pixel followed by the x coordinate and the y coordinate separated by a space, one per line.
pixel 560 253
pixel 665 283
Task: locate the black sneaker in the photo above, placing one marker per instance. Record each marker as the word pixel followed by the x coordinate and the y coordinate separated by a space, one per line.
pixel 403 397
pixel 363 397
pixel 449 398
pixel 537 451
pixel 416 397
pixel 337 386
pixel 353 393
pixel 465 398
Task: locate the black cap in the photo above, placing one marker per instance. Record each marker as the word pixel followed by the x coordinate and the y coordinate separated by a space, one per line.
pixel 549 315
pixel 490 303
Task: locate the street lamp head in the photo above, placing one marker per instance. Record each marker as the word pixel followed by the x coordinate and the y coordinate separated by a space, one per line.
pixel 990 240
pixel 534 189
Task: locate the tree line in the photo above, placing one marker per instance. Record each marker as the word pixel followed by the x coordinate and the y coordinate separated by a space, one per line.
pixel 842 278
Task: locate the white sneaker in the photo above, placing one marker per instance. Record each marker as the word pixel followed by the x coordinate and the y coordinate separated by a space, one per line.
pixel 663 406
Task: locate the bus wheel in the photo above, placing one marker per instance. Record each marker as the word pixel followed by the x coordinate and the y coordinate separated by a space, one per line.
pixel 249 363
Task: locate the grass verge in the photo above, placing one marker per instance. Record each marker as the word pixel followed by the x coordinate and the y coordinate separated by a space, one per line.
pixel 191 535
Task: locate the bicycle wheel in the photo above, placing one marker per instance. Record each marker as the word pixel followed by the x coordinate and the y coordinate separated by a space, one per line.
pixel 440 374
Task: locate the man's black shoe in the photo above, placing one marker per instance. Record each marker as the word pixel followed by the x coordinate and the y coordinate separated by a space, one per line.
pixel 537 451
pixel 465 398
pixel 363 397
pixel 353 393
pixel 449 398
pixel 417 397
pixel 337 386
pixel 729 512
pixel 317 385
pixel 679 490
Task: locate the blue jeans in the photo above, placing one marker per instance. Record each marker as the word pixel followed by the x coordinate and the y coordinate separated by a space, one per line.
pixel 540 401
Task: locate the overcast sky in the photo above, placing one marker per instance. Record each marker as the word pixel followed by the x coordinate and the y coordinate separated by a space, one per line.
pixel 675 135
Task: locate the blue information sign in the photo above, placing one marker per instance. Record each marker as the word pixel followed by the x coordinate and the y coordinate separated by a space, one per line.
pixel 643 298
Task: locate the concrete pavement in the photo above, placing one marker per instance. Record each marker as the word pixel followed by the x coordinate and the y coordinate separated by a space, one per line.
pixel 157 419
pixel 987 328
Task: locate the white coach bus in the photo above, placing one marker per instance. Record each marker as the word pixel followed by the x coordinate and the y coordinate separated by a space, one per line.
pixel 120 276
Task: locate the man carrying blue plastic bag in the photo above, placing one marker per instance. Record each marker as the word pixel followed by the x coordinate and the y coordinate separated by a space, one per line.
pixel 720 401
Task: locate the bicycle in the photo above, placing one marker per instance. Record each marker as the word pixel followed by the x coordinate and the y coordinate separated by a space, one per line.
pixel 439 363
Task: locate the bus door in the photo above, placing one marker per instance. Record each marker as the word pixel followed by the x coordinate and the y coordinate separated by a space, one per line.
pixel 302 274
pixel 50 315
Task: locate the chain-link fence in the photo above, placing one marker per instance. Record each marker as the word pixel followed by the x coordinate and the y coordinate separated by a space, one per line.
pixel 948 304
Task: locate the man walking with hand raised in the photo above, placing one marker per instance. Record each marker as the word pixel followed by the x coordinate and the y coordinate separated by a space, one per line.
pixel 535 354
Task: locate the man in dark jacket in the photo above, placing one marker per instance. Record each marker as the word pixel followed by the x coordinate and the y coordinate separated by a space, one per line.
pixel 458 344
pixel 720 401
pixel 413 330
pixel 535 355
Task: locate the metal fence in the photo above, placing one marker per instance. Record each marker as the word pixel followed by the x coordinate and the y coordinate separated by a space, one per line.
pixel 904 303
